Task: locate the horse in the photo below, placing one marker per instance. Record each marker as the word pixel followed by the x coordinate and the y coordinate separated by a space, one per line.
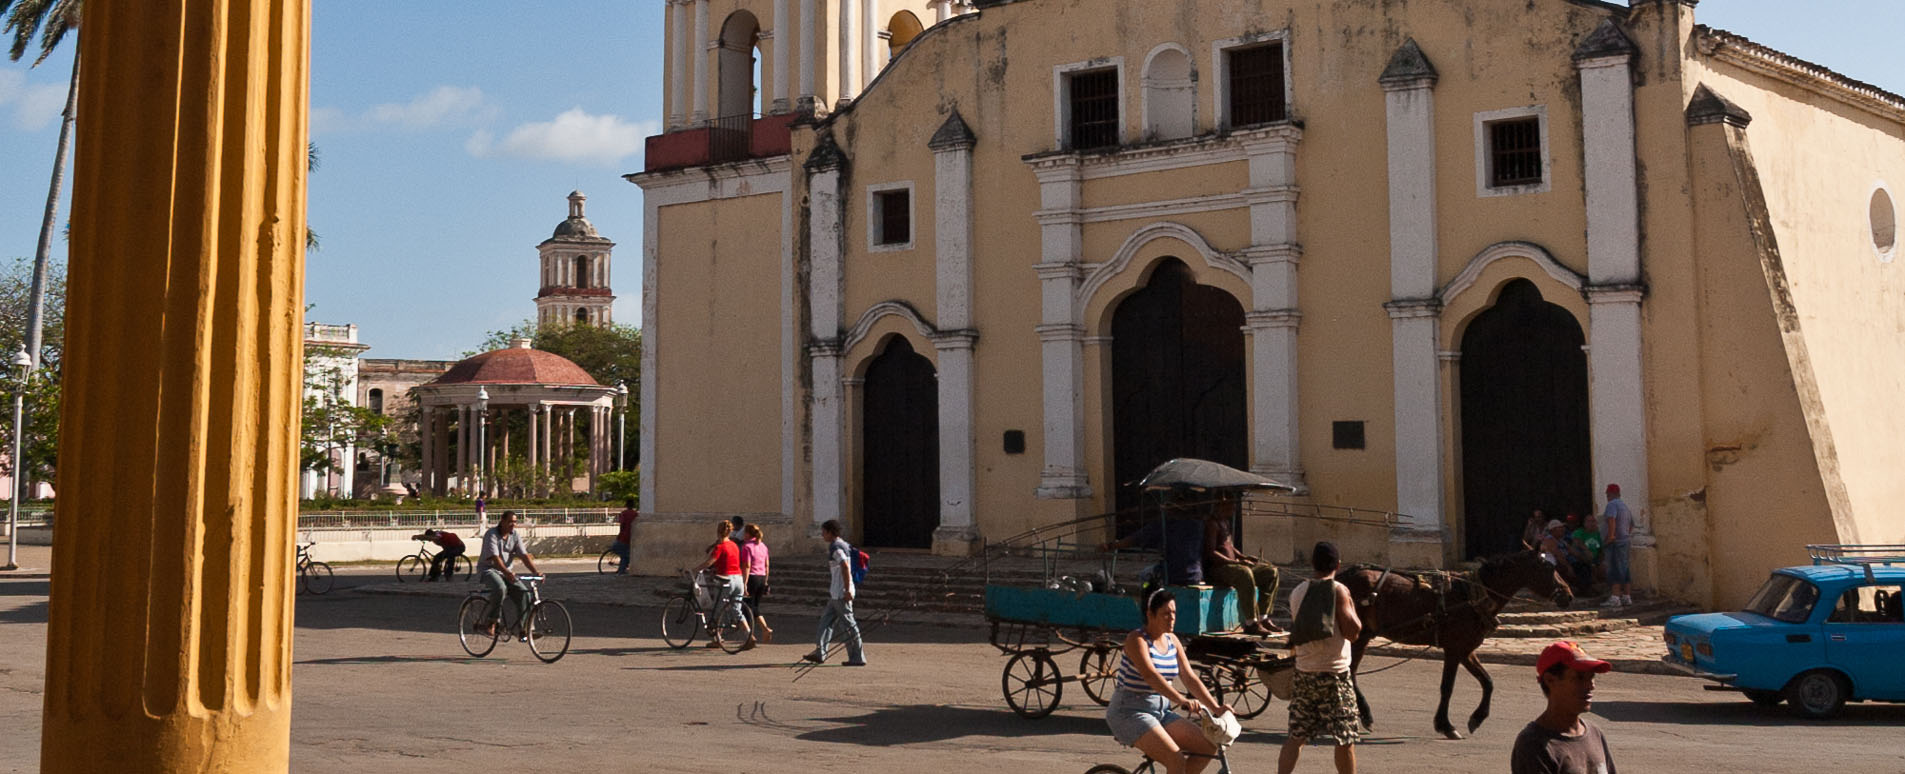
pixel 1445 610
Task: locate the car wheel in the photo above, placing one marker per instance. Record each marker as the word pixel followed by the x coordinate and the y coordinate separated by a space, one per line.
pixel 1763 698
pixel 1816 695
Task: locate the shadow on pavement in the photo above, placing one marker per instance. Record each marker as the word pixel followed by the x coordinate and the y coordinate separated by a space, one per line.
pixel 392 660
pixel 1742 713
pixel 937 723
pixel 29 613
pixel 24 588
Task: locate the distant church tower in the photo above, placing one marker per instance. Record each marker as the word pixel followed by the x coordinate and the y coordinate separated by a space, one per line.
pixel 575 272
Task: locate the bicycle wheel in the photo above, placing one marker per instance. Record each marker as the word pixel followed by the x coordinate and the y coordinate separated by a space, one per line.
pixel 316 577
pixel 473 622
pixel 1107 768
pixel 1097 675
pixel 549 630
pixel 729 629
pixel 1031 684
pixel 464 566
pixel 680 624
pixel 606 563
pixel 410 569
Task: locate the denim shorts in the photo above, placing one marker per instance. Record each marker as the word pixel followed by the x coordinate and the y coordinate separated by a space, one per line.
pixel 1131 715
pixel 1617 569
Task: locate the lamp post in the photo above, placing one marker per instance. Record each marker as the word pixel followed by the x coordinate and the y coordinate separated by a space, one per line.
pixel 621 423
pixel 24 362
pixel 476 460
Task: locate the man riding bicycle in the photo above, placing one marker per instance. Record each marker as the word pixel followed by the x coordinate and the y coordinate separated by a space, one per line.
pixel 502 545
pixel 444 563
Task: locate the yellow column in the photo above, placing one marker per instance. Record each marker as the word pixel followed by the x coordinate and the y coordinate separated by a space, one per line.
pixel 169 634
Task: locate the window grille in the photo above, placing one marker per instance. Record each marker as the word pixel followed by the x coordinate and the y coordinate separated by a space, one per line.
pixel 896 217
pixel 1256 85
pixel 1515 152
pixel 1094 109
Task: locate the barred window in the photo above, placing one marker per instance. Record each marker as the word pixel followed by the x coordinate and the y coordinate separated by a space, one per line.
pixel 1256 84
pixel 1515 152
pixel 1094 104
pixel 895 208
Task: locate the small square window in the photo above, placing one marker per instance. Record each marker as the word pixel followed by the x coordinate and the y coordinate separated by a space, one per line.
pixel 896 217
pixel 1094 106
pixel 1514 153
pixel 1256 84
pixel 1015 442
pixel 1347 435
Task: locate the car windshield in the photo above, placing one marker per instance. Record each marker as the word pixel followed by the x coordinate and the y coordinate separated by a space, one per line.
pixel 1784 598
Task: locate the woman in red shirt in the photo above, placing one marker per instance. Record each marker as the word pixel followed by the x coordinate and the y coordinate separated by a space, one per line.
pixel 724 557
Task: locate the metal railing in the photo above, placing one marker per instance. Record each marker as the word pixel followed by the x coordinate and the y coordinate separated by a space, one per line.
pixel 729 137
pixel 309 520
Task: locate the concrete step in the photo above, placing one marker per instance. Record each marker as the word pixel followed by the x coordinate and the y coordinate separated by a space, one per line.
pixel 1585 622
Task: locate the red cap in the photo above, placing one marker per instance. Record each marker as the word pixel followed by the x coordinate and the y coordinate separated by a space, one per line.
pixel 1565 652
pixel 1614 489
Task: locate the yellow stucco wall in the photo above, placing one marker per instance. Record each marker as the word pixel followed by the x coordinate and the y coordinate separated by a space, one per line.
pixel 718 278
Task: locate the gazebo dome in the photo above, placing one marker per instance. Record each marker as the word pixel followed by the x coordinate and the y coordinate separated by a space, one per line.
pixel 517 364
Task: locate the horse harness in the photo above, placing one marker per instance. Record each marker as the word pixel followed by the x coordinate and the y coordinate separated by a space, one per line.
pixel 1442 585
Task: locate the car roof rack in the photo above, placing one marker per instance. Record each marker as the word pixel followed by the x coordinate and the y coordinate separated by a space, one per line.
pixel 1857 555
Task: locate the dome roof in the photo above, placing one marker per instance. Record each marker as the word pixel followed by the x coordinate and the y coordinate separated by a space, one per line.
pixel 517 365
pixel 575 228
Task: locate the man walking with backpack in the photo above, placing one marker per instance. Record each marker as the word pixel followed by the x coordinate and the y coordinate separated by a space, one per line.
pixel 1323 704
pixel 839 610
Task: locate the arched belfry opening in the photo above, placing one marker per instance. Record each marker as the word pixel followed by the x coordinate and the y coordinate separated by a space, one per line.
pixel 739 67
pixel 581 271
pixel 1177 385
pixel 1524 399
pixel 899 469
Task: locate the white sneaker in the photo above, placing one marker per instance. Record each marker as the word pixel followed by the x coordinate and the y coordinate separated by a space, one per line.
pixel 1611 601
pixel 1626 600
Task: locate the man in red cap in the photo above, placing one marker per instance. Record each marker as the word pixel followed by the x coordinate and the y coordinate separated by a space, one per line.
pixel 1616 525
pixel 1560 741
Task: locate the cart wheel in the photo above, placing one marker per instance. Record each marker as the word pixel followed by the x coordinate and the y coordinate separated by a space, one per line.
pixel 1031 683
pixel 1097 675
pixel 1249 692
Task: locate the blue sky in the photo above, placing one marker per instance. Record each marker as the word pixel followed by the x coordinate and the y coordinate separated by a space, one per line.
pixel 450 139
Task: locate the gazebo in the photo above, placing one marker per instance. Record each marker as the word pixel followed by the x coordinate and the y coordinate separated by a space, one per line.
pixel 467 409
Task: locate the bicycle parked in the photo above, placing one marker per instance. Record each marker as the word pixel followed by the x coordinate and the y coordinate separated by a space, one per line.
pixel 609 563
pixel 313 576
pixel 684 617
pixel 414 566
pixel 479 624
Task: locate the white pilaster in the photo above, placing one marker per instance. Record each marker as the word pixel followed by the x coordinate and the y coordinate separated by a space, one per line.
pixel 940 10
pixel 698 54
pixel 782 42
pixel 849 61
pixel 1273 256
pixel 1409 98
pixel 824 303
pixel 809 56
pixel 677 66
pixel 1061 338
pixel 869 42
pixel 952 241
pixel 1616 396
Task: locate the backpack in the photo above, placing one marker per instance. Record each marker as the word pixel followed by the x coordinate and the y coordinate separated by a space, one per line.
pixel 857 564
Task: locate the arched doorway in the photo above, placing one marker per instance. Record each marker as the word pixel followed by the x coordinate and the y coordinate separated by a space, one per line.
pixel 899 431
pixel 1524 418
pixel 1177 385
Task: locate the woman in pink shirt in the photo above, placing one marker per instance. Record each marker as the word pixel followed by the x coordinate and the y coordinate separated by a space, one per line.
pixel 754 562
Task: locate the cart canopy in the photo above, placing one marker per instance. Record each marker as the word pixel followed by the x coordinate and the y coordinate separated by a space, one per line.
pixel 1203 476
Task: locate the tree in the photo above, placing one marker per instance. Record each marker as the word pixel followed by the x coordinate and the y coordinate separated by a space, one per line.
pixel 331 422
pixel 42 422
pixel 610 353
pixel 51 19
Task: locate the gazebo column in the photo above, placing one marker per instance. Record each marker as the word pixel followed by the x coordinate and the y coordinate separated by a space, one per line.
pixel 568 451
pixel 533 454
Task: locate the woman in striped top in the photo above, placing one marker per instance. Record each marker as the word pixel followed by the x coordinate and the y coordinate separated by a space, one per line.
pixel 1140 712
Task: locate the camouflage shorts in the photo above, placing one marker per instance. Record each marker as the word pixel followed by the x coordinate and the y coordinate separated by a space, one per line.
pixel 1323 706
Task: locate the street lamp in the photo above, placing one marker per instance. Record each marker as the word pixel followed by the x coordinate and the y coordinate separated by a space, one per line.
pixel 24 362
pixel 482 405
pixel 621 423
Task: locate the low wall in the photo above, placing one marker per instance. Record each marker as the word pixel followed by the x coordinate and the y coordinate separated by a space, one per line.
pixel 393 543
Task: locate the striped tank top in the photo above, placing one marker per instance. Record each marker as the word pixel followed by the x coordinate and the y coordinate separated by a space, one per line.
pixel 1130 679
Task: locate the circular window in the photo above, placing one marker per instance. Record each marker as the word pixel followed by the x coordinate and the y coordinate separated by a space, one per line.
pixel 1884 224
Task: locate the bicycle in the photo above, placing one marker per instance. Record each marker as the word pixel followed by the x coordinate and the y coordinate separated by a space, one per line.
pixel 412 567
pixel 683 618
pixel 610 562
pixel 313 576
pixel 1149 766
pixel 480 625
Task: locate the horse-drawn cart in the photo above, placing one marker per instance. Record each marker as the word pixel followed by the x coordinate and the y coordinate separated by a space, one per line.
pixel 1037 625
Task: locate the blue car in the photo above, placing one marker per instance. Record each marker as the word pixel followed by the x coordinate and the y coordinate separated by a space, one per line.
pixel 1813 636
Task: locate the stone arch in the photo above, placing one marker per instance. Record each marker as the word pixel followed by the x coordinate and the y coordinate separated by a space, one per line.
pixel 1477 287
pixel 739 92
pixel 1170 93
pixel 876 328
pixel 1107 283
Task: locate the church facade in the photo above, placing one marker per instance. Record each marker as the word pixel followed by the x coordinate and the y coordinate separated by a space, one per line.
pixel 1452 262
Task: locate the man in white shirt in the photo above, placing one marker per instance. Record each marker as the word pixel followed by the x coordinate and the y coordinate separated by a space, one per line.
pixel 1323 699
pixel 839 611
pixel 502 546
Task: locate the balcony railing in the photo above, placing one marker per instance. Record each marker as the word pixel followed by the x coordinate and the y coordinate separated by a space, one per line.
pixel 728 137
pixel 721 140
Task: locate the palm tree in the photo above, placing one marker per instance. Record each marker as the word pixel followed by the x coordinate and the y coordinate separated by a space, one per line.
pixel 51 20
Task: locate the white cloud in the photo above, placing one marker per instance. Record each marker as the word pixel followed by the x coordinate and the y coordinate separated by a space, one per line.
pixel 441 106
pixel 34 105
pixel 574 137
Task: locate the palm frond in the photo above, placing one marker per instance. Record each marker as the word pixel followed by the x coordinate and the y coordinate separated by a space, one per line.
pixel 49 19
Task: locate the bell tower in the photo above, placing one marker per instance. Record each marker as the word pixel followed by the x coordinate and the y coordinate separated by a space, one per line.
pixel 575 272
